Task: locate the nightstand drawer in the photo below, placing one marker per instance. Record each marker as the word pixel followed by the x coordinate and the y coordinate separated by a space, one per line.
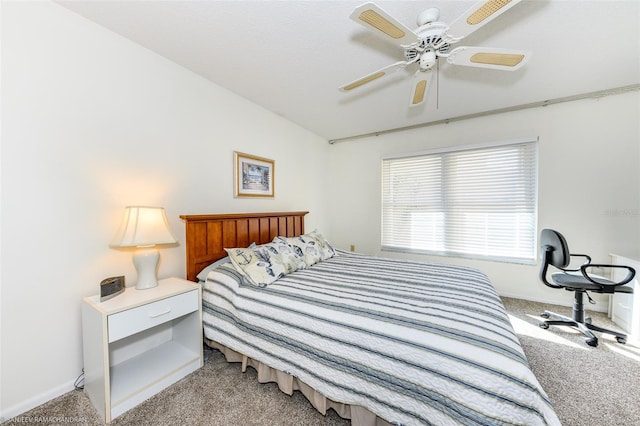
pixel 143 317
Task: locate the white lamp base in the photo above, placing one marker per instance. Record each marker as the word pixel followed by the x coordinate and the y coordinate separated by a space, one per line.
pixel 145 260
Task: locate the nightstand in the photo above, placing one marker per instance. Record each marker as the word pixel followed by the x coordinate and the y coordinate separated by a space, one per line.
pixel 140 342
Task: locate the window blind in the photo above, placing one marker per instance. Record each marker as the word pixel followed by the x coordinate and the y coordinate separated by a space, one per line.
pixel 475 202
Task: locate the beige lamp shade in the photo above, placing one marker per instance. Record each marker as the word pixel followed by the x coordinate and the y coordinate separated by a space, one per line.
pixel 144 227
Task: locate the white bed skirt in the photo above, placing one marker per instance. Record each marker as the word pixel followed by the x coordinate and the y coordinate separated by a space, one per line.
pixel 287 383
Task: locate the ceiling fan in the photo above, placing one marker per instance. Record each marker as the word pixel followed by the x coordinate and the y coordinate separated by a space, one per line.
pixel 433 40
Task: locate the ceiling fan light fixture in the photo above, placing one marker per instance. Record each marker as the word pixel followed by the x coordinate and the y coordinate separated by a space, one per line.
pixel 379 22
pixel 428 60
pixel 486 10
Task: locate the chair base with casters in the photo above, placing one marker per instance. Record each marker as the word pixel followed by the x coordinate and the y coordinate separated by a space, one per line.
pixel 580 322
pixel 555 252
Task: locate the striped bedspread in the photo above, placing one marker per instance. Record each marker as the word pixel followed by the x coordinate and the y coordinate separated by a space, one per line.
pixel 414 343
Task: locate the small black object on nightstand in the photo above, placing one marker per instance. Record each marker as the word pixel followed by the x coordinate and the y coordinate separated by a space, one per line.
pixel 111 287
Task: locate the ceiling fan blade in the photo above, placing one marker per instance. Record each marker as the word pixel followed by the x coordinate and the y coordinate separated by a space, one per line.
pixel 373 76
pixel 372 17
pixel 421 86
pixel 488 57
pixel 477 16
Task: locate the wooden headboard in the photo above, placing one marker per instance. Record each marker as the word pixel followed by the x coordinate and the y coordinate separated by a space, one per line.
pixel 208 235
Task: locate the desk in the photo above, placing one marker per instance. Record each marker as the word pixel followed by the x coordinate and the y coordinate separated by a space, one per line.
pixel 625 308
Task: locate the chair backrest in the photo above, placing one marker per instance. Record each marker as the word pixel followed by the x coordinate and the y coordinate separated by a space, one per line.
pixel 554 249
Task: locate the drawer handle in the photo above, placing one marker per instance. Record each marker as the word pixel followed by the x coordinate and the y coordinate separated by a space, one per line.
pixel 159 314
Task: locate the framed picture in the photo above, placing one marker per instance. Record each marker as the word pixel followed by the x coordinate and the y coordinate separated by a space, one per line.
pixel 253 175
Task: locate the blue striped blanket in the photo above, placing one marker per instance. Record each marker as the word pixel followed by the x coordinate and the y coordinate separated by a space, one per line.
pixel 414 343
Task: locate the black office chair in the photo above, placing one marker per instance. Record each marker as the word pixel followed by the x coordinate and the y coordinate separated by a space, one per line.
pixel 555 252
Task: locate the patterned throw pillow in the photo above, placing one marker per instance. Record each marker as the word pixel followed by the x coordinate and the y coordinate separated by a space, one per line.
pixel 305 247
pixel 256 266
pixel 202 275
pixel 284 253
pixel 325 248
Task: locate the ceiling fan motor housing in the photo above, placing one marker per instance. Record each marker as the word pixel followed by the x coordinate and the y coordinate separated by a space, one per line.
pixel 429 45
pixel 430 36
pixel 429 15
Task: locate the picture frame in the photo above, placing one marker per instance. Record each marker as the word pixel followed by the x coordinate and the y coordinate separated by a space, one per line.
pixel 253 176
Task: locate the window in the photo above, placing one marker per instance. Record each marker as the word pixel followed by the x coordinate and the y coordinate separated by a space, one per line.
pixel 477 202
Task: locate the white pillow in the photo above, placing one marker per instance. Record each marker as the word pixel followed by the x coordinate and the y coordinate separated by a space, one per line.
pixel 202 276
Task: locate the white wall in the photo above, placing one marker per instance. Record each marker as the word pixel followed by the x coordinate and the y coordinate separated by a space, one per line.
pixel 589 182
pixel 91 123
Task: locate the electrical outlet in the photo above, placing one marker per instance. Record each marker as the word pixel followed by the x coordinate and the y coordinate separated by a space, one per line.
pixel 352 247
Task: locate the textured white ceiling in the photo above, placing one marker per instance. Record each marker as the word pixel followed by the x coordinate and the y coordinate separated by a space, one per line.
pixel 291 56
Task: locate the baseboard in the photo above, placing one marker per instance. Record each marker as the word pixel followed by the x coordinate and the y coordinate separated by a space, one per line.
pixel 33 402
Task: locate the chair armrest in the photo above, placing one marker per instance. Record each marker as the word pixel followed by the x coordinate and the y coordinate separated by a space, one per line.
pixel 630 275
pixel 585 263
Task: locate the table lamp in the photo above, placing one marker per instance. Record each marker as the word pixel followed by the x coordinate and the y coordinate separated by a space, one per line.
pixel 144 228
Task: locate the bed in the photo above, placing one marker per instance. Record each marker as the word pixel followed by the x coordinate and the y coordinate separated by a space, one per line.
pixel 380 341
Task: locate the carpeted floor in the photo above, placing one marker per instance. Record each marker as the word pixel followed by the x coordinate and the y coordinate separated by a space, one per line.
pixel 588 386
